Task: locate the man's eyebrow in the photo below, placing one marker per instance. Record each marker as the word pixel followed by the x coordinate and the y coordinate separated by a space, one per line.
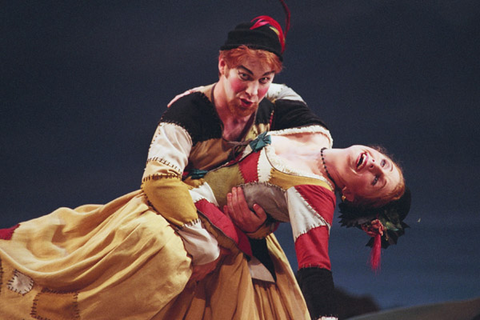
pixel 251 72
pixel 246 69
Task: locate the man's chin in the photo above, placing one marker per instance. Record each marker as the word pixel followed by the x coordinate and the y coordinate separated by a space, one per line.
pixel 242 112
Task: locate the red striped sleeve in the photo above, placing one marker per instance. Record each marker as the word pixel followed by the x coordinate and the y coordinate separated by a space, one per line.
pixel 312 249
pixel 322 200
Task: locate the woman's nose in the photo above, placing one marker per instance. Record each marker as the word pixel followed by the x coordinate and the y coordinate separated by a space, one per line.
pixel 373 165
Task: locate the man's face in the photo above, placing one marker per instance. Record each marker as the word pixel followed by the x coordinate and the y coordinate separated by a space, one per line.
pixel 245 86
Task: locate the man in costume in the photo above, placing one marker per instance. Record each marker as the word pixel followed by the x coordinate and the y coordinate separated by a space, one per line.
pixel 125 260
pixel 210 125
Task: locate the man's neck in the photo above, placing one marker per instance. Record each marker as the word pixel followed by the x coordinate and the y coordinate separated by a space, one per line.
pixel 234 127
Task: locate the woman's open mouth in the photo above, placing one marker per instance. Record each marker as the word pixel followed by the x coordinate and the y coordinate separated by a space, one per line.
pixel 362 161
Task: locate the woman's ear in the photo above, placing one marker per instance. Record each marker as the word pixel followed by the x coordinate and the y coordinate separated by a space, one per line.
pixel 347 194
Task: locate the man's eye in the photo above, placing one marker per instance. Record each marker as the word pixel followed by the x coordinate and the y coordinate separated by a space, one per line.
pixel 375 180
pixel 383 163
pixel 264 80
pixel 243 76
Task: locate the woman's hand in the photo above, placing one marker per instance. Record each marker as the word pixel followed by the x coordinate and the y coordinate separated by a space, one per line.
pixel 238 211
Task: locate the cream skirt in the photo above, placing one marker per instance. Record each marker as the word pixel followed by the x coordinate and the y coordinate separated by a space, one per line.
pixel 124 261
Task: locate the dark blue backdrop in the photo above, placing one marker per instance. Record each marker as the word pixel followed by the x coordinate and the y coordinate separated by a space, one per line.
pixel 83 85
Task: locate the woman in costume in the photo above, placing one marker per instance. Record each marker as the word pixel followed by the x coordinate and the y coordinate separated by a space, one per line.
pixel 293 174
pixel 124 260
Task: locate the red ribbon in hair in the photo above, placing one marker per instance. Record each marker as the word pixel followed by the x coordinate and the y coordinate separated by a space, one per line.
pixel 375 229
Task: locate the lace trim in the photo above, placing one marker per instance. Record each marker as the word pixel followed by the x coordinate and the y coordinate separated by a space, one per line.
pixel 308 129
pixel 280 165
pixel 165 162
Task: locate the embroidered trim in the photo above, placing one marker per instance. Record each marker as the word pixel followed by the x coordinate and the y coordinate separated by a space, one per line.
pixel 20 283
pixel 75 313
pixel 211 110
pixel 270 121
pixel 305 231
pixel 165 162
pixel 266 183
pixel 311 209
pixel 158 176
pixel 150 205
pixel 205 192
pixel 164 123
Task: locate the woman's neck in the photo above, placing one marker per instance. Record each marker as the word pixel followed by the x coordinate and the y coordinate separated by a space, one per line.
pixel 301 150
pixel 331 162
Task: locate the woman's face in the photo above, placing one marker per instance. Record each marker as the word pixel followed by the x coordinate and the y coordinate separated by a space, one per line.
pixel 246 85
pixel 367 173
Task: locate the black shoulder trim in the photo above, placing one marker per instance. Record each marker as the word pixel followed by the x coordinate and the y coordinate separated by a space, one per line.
pixel 292 114
pixel 264 112
pixel 196 114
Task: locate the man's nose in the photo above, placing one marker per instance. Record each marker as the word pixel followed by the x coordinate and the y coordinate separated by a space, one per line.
pixel 252 88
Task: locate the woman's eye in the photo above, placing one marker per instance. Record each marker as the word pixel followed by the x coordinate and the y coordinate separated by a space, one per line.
pixel 383 163
pixel 375 180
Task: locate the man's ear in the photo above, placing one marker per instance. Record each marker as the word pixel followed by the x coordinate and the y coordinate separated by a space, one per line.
pixel 222 66
pixel 347 194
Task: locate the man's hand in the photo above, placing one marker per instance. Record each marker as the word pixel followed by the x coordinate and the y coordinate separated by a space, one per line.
pixel 238 211
pixel 202 270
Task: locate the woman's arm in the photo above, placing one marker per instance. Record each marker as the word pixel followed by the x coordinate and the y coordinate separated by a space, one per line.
pixel 239 212
pixel 318 290
pixel 311 208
